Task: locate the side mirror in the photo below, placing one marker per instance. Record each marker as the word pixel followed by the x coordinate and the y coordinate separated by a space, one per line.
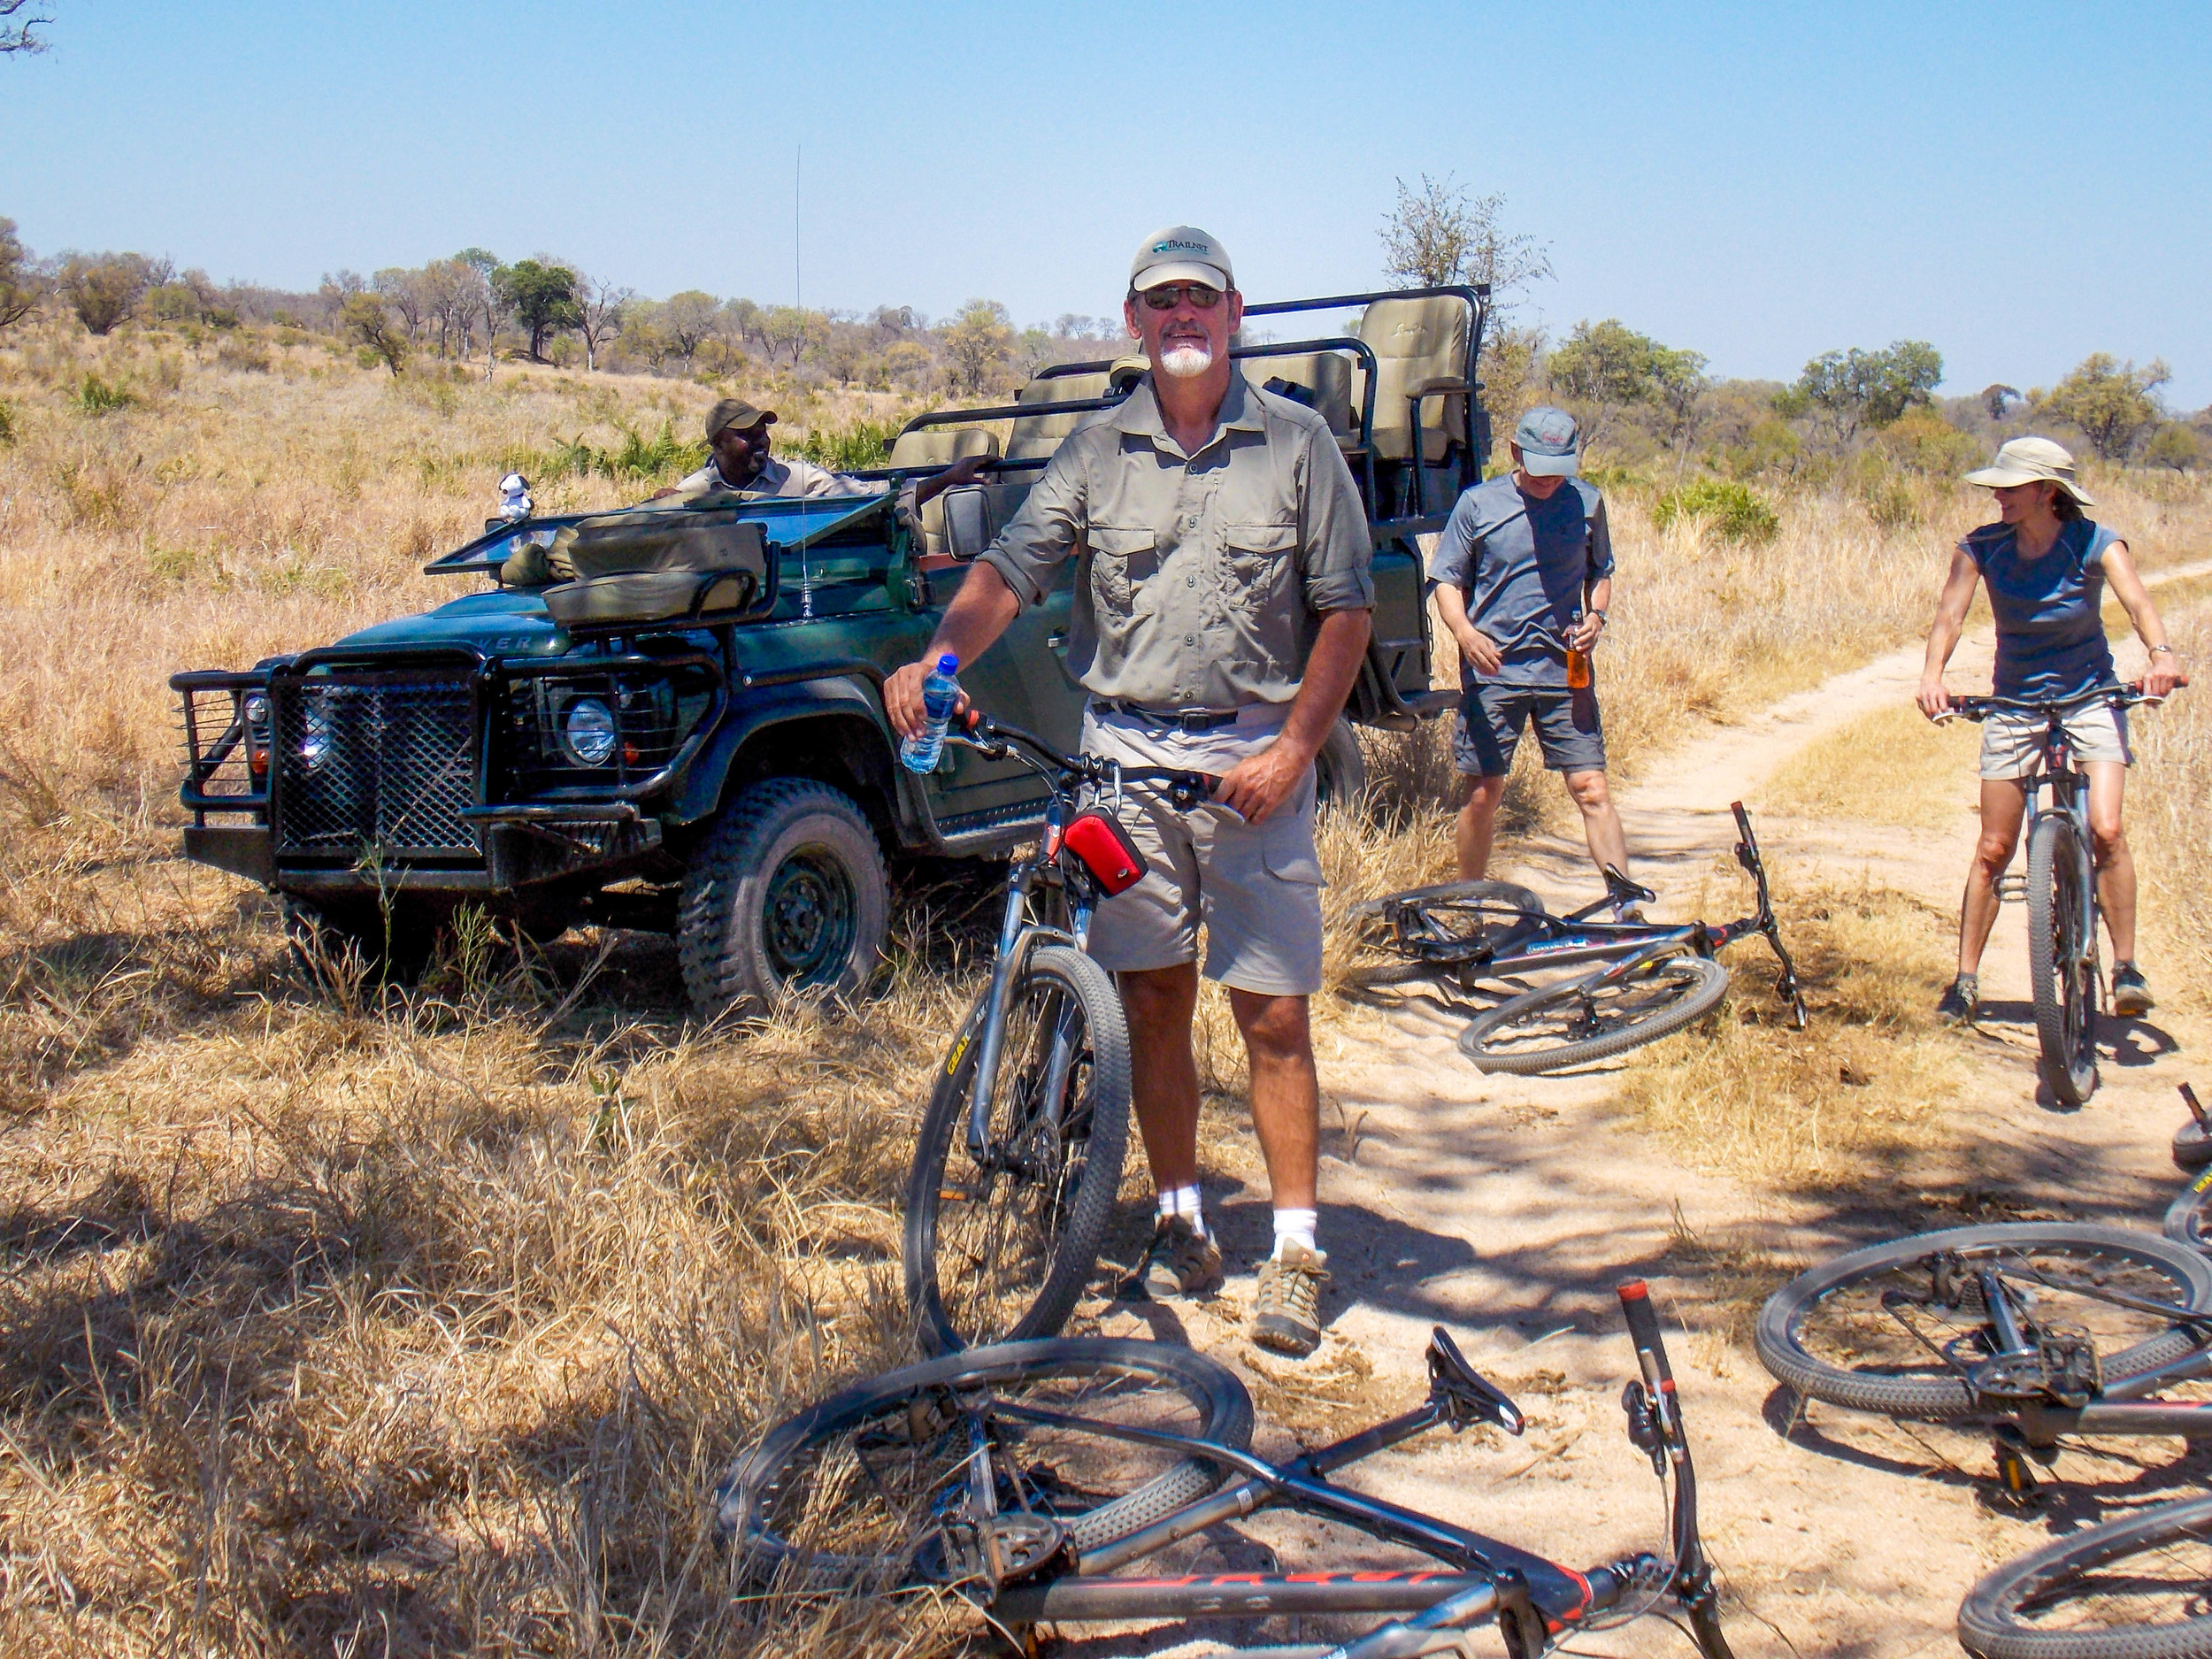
pixel 968 528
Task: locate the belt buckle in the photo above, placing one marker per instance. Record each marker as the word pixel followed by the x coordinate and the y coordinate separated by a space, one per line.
pixel 1194 721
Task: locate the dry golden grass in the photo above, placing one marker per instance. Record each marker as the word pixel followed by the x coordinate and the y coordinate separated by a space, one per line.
pixel 428 1326
pixel 1893 766
pixel 2169 827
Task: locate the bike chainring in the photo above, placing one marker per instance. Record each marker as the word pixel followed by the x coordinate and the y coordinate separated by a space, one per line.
pixel 2063 1369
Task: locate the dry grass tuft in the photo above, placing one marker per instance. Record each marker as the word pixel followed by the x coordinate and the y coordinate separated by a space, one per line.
pixel 2168 827
pixel 1746 1094
pixel 1894 767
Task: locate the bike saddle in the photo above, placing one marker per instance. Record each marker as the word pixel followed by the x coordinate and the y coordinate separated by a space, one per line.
pixel 1462 1392
pixel 1626 892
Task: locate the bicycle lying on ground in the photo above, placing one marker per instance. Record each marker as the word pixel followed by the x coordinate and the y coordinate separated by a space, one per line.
pixel 1020 1154
pixel 1023 1476
pixel 1654 978
pixel 2041 1330
pixel 2060 889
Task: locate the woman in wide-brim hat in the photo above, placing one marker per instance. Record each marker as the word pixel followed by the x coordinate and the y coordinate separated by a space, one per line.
pixel 2046 566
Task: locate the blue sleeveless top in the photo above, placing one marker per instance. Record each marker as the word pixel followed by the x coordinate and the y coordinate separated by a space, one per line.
pixel 2050 629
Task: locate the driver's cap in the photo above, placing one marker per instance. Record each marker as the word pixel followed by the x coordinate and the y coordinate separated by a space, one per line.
pixel 1181 253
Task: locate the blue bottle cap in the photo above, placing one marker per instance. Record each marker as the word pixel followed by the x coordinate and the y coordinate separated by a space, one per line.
pixel 948 663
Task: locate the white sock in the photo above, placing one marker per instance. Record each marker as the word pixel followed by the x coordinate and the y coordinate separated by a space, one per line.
pixel 1184 1201
pixel 1295 1226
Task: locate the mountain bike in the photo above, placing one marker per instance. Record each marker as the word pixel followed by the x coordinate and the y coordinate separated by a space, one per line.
pixel 2041 1330
pixel 1024 1475
pixel 2060 889
pixel 1020 1151
pixel 1654 978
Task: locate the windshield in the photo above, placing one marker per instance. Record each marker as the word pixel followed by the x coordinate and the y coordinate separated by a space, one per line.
pixel 789 522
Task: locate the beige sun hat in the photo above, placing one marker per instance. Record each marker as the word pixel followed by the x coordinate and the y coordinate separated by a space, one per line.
pixel 2029 461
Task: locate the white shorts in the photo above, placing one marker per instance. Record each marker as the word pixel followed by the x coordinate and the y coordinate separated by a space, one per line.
pixel 1256 887
pixel 2012 740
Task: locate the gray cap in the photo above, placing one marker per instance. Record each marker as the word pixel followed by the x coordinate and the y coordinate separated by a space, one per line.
pixel 1549 442
pixel 1181 253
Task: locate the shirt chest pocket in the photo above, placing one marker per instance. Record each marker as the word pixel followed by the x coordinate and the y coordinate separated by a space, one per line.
pixel 1260 567
pixel 1122 561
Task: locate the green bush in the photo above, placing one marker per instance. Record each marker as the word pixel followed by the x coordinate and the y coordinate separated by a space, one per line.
pixel 1736 511
pixel 1890 502
pixel 7 426
pixel 95 397
pixel 865 444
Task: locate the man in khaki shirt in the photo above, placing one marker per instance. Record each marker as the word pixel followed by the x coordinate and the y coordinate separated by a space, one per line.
pixel 1221 612
pixel 739 460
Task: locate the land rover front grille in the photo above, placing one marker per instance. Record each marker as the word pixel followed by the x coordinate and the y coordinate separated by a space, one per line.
pixel 371 764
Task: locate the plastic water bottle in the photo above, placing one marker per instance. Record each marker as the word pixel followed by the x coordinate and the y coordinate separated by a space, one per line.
pixel 941 693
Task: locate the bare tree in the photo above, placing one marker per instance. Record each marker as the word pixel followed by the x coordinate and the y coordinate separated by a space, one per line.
pixel 1441 233
pixel 687 319
pixel 406 293
pixel 600 306
pixel 17 37
pixel 103 288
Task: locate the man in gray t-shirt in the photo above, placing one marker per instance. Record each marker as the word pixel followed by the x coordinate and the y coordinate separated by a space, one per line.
pixel 1522 574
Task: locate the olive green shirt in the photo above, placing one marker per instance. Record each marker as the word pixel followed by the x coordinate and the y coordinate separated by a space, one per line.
pixel 1201 580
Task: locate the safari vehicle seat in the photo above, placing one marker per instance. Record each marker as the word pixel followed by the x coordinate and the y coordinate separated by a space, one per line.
pixel 939 446
pixel 1036 436
pixel 1420 346
pixel 1322 381
pixel 634 568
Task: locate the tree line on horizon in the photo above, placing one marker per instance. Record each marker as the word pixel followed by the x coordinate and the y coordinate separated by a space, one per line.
pixel 1642 402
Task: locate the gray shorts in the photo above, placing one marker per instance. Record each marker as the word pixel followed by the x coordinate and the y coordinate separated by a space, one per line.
pixel 1256 887
pixel 1491 717
pixel 2012 740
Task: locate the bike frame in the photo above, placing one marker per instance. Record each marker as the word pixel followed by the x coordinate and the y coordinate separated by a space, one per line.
pixel 1483 1578
pixel 1050 898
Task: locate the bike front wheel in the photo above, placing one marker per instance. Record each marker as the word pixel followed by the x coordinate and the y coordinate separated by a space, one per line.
pixel 868 1489
pixel 2062 959
pixel 1577 1021
pixel 2138 1588
pixel 1889 1329
pixel 998 1247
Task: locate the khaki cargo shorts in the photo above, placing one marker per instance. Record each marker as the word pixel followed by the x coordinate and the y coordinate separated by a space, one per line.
pixel 1256 888
pixel 2012 741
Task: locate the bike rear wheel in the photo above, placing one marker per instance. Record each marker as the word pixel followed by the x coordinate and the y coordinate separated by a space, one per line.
pixel 1000 1249
pixel 2138 1588
pixel 2189 1217
pixel 1577 1021
pixel 2063 960
pixel 1880 1329
pixel 855 1491
pixel 1425 932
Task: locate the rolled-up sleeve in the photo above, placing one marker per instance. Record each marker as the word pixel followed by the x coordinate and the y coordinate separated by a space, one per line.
pixel 1029 551
pixel 1601 544
pixel 1452 561
pixel 1337 550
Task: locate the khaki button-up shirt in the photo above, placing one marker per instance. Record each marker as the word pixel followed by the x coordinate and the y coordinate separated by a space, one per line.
pixel 1201 578
pixel 794 476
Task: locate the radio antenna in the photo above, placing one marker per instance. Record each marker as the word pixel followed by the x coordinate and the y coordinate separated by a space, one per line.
pixel 798 292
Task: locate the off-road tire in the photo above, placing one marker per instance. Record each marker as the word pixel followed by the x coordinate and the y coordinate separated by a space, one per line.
pixel 788 892
pixel 941 1156
pixel 2116 1563
pixel 2193 1147
pixel 1934 1395
pixel 767 1479
pixel 1688 989
pixel 2062 965
pixel 1382 963
pixel 1339 771
pixel 2189 1217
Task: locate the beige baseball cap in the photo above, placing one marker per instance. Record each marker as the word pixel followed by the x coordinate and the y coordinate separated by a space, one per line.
pixel 2029 461
pixel 1181 253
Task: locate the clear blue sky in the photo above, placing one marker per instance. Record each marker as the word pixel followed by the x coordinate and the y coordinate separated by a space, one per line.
pixel 2019 184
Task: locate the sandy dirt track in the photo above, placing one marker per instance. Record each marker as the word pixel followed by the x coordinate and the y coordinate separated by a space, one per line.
pixel 1508 1209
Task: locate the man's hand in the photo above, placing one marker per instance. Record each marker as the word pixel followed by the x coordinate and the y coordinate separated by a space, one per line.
pixel 966 470
pixel 1480 651
pixel 1933 699
pixel 1256 785
pixel 1585 633
pixel 902 697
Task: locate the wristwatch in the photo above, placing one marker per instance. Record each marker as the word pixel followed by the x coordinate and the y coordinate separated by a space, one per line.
pixel 2167 648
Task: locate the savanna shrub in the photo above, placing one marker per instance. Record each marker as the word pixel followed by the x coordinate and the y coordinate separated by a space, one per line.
pixel 1737 512
pixel 1922 443
pixel 7 426
pixel 95 397
pixel 849 448
pixel 1889 502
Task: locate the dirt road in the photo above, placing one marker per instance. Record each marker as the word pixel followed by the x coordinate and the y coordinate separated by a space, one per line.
pixel 1508 1209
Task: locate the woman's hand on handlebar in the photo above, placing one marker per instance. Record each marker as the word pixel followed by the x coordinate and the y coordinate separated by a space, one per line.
pixel 902 698
pixel 1935 700
pixel 2162 675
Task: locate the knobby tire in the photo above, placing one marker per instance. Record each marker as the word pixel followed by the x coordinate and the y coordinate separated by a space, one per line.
pixel 2130 1589
pixel 993 1256
pixel 2061 961
pixel 1679 991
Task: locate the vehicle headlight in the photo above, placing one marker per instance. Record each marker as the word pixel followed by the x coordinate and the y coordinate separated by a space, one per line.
pixel 588 731
pixel 257 710
pixel 315 736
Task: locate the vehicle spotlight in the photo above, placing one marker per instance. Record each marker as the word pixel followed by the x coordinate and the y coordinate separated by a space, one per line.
pixel 588 731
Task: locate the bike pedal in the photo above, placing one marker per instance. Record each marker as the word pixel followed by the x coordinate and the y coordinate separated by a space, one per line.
pixel 2012 890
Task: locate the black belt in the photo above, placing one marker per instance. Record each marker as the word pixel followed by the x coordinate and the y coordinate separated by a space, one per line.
pixel 1170 720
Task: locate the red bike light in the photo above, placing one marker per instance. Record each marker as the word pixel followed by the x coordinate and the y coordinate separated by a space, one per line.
pixel 1104 846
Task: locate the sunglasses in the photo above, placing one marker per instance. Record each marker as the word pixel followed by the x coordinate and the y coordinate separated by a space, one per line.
pixel 1169 294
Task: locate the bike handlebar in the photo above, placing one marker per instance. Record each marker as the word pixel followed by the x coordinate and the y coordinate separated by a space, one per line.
pixel 1186 789
pixel 2127 696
